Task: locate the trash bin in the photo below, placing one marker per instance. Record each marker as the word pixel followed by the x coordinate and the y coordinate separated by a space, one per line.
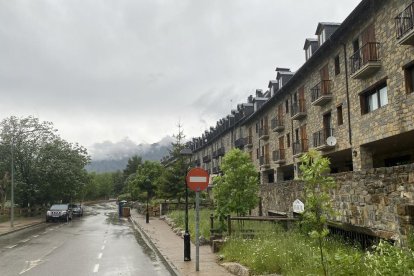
pixel 126 212
pixel 120 206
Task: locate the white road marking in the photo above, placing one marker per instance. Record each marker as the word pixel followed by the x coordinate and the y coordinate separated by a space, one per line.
pixel 104 241
pixel 96 268
pixel 11 246
pixel 35 236
pixel 103 247
pixel 100 256
pixel 26 240
pixel 30 265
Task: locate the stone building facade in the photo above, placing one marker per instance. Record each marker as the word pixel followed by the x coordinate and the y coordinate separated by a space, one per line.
pixel 352 100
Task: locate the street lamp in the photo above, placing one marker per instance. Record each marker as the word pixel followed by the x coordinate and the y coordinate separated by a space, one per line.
pixel 186 152
pixel 147 213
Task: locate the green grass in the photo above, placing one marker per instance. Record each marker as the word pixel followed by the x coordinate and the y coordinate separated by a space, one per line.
pixel 288 253
pixel 275 250
pixel 178 217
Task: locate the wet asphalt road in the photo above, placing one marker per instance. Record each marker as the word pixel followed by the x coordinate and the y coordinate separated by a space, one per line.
pixel 99 243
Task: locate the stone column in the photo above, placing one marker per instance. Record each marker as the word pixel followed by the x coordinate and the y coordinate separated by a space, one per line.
pixel 362 158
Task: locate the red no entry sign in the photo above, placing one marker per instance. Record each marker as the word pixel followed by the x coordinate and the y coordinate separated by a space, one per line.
pixel 197 179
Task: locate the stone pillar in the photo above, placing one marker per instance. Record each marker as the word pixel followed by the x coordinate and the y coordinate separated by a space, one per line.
pixel 296 172
pixel 278 175
pixel 362 158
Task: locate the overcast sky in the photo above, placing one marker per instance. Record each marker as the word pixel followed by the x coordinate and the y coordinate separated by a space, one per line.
pixel 105 70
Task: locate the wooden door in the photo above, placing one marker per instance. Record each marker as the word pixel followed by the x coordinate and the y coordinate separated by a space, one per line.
pixel 304 138
pixel 301 92
pixel 279 113
pixel 327 124
pixel 324 80
pixel 369 50
pixel 281 143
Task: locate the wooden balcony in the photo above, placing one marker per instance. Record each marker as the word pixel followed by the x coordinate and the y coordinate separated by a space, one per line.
pixel 264 133
pixel 404 26
pixel 277 124
pixel 279 156
pixel 240 143
pixel 300 147
pixel 207 158
pixel 366 61
pixel 321 93
pixel 216 170
pixel 319 139
pixel 299 110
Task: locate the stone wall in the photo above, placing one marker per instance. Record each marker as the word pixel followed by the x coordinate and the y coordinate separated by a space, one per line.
pixel 380 199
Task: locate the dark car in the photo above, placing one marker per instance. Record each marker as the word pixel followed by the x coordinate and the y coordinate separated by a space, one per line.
pixel 61 212
pixel 77 209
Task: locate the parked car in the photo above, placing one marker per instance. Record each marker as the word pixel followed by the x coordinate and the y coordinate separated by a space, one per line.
pixel 59 212
pixel 77 209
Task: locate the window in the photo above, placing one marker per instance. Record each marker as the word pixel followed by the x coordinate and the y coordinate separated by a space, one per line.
pixel 257 127
pixel 322 37
pixel 374 99
pixel 339 115
pixel 287 106
pixel 409 79
pixel 257 153
pixel 288 140
pixel 308 52
pixel 337 67
pixel 270 177
pixel 280 82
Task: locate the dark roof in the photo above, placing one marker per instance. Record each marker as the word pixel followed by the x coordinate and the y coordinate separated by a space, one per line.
pixel 321 25
pixel 308 41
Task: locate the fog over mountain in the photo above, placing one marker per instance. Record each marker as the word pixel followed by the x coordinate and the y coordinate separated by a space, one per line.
pixel 109 156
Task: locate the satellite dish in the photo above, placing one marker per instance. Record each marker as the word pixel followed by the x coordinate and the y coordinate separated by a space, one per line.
pixel 331 141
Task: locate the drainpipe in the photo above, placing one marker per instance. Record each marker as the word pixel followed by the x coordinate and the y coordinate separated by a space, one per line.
pixel 347 96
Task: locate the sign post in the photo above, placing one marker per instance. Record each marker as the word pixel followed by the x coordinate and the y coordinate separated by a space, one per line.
pixel 197 180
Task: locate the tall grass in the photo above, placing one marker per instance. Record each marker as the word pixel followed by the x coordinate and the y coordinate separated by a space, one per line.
pixel 178 217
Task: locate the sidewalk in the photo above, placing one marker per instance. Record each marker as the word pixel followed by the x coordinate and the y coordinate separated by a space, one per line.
pixel 171 247
pixel 19 223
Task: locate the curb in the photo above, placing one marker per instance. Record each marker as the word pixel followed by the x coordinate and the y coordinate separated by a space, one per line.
pixel 21 228
pixel 170 267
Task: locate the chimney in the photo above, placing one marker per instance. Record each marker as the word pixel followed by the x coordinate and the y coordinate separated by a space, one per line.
pixel 250 99
pixel 259 93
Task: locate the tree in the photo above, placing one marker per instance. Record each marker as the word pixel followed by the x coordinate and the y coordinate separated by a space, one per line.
pixel 146 180
pixel 318 206
pixel 172 182
pixel 46 167
pixel 236 191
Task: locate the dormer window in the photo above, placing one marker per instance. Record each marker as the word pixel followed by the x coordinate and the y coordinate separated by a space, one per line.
pixel 322 37
pixel 280 83
pixel 308 52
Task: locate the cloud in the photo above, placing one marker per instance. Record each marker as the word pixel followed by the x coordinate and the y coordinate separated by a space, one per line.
pixel 104 70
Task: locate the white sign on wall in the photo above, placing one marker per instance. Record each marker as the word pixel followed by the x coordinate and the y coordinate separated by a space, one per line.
pixel 298 206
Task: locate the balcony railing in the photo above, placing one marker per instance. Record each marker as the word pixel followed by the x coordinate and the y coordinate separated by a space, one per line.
pixel 240 143
pixel 321 93
pixel 300 147
pixel 216 170
pixel 264 160
pixel 249 141
pixel 404 26
pixel 214 155
pixel 206 158
pixel 365 61
pixel 197 163
pixel 263 133
pixel 220 151
pixel 279 156
pixel 277 124
pixel 299 109
pixel 319 138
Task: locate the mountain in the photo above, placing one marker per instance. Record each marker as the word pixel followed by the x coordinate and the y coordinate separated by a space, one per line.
pixel 110 157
